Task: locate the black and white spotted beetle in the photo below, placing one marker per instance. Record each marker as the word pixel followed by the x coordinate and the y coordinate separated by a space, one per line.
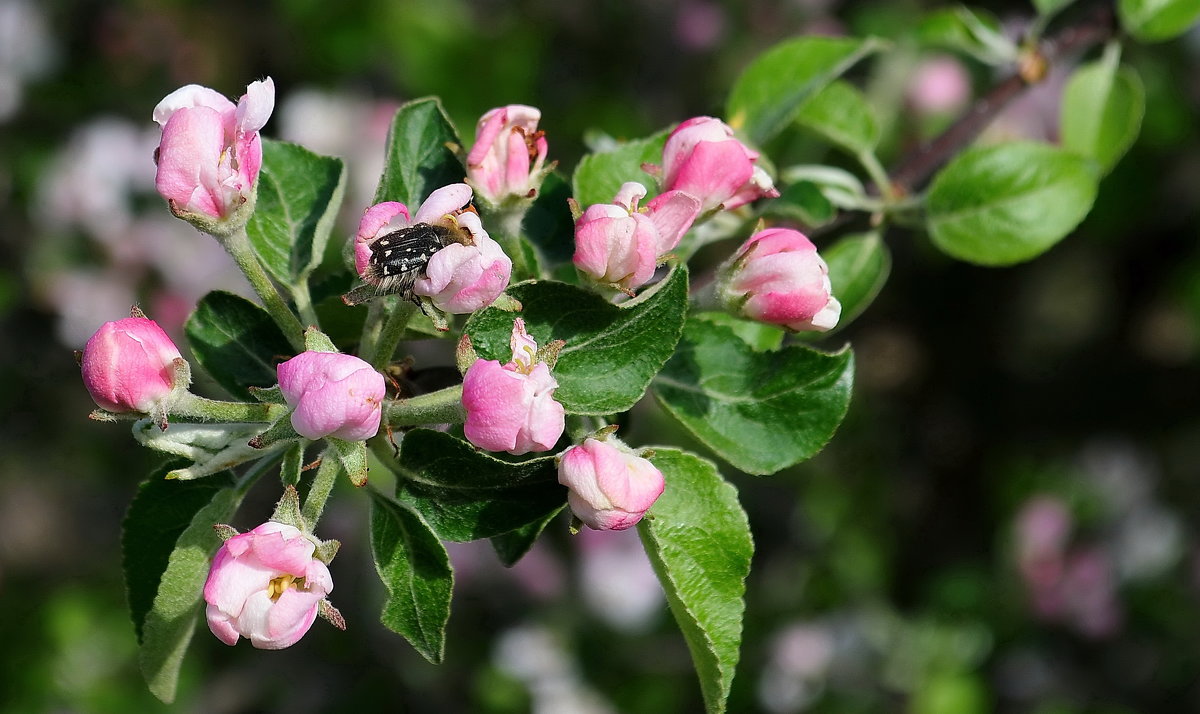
pixel 399 258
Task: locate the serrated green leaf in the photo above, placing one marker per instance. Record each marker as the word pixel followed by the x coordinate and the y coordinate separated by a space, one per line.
pixel 415 569
pixel 170 622
pixel 1156 20
pixel 158 515
pixel 512 546
pixel 299 194
pixel 598 177
pixel 612 352
pixel 769 92
pixel 419 159
pixel 698 540
pixel 1102 109
pixel 858 268
pixel 841 114
pixel 466 494
pixel 236 342
pixel 1004 204
pixel 760 411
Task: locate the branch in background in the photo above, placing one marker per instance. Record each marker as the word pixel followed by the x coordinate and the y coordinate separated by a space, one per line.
pixel 915 170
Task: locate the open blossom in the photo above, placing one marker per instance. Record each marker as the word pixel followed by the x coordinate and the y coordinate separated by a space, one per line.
pixel 608 487
pixel 265 585
pixel 620 244
pixel 447 255
pixel 509 153
pixel 777 277
pixel 211 153
pixel 128 365
pixel 511 407
pixel 332 394
pixel 703 158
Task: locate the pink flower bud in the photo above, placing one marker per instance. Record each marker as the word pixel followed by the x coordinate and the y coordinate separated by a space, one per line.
pixel 265 585
pixel 509 153
pixel 332 394
pixel 210 153
pixel 127 365
pixel 445 254
pixel 940 85
pixel 609 488
pixel 619 244
pixel 511 407
pixel 777 277
pixel 703 158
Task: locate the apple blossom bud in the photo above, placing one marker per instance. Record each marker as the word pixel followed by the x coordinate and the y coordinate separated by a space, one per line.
pixel 265 585
pixel 609 488
pixel 509 154
pixel 940 85
pixel 128 365
pixel 332 394
pixel 619 244
pixel 210 153
pixel 441 253
pixel 777 277
pixel 511 407
pixel 703 158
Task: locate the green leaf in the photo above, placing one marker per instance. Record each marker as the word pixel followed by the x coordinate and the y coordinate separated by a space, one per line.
pixel 512 546
pixel 419 159
pixel 858 268
pixel 769 93
pixel 299 194
pixel 802 201
pixel 974 32
pixel 598 177
pixel 759 336
pixel 1004 204
pixel 415 569
pixel 548 223
pixel 466 494
pixel 612 352
pixel 841 114
pixel 760 411
pixel 236 342
pixel 1102 109
pixel 1049 7
pixel 160 512
pixel 1155 20
pixel 168 625
pixel 698 540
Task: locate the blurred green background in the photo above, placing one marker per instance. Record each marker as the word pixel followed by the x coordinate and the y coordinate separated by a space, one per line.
pixel 1006 522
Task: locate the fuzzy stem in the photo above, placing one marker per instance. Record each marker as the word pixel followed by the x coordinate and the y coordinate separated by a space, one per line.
pixel 303 300
pixel 389 335
pixel 191 406
pixel 441 407
pixel 238 246
pixel 322 485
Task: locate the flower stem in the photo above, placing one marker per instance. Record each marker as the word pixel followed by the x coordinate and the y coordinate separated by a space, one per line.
pixel 192 406
pixel 238 246
pixel 441 407
pixel 393 326
pixel 303 300
pixel 322 485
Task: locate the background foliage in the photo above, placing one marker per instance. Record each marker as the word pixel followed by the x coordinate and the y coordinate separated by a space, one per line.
pixel 885 574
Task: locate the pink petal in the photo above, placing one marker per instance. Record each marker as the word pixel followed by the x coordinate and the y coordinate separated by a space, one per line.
pixel 445 200
pixel 192 95
pixel 256 105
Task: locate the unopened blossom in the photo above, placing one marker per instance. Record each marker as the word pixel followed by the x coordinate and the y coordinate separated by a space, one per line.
pixel 511 407
pixel 128 365
pixel 939 85
pixel 442 252
pixel 332 394
pixel 621 244
pixel 509 154
pixel 608 487
pixel 777 277
pixel 210 153
pixel 704 158
pixel 267 586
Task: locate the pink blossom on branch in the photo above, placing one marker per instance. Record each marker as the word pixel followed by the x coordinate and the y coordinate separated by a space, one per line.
pixel 210 153
pixel 267 586
pixel 463 271
pixel 509 155
pixel 511 407
pixel 704 158
pixel 128 365
pixel 608 487
pixel 620 244
pixel 332 394
pixel 777 277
